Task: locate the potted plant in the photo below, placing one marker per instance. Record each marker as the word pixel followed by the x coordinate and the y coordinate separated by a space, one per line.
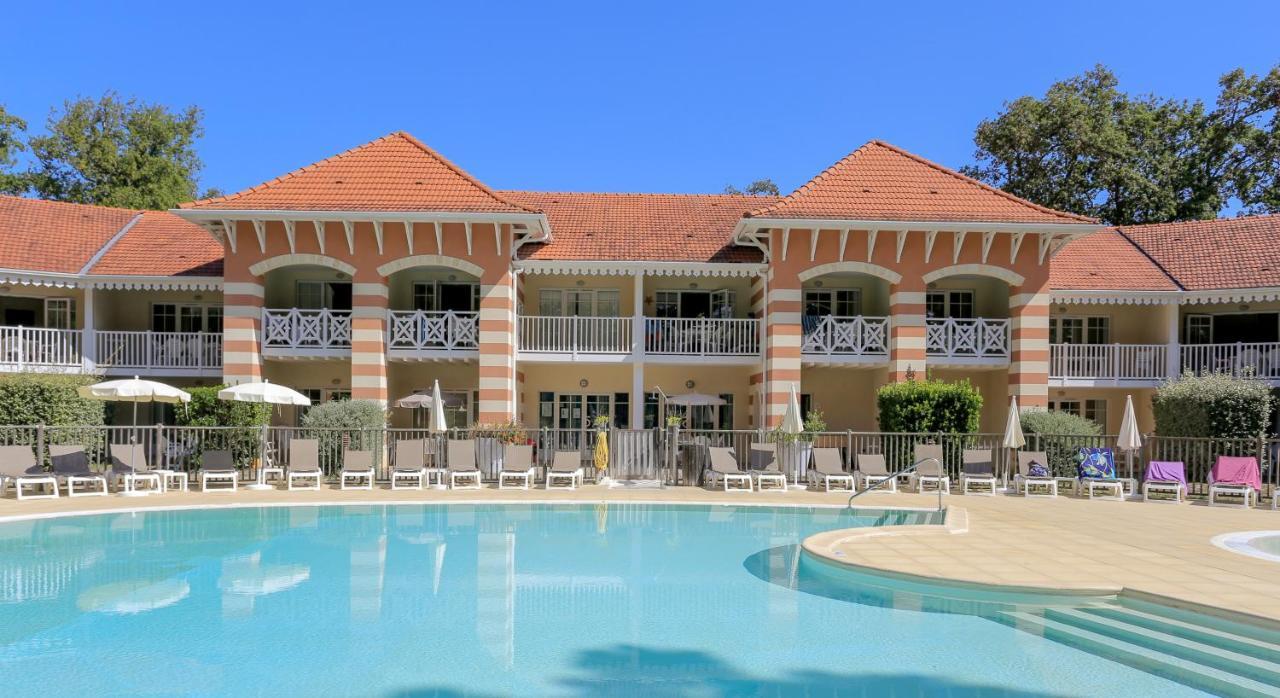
pixel 795 450
pixel 492 440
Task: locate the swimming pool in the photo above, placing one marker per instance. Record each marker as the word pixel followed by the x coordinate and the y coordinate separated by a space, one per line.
pixel 1264 545
pixel 491 600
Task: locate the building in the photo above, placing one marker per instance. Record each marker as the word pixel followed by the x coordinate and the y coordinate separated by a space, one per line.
pixel 373 273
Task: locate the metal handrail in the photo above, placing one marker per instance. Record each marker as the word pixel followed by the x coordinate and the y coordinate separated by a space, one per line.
pixel 910 468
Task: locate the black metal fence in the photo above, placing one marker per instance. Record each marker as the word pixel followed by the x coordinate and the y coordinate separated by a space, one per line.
pixel 670 456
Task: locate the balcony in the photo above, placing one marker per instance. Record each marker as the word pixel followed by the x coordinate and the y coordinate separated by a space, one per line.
pixel 841 339
pixel 1107 364
pixel 966 341
pixel 39 349
pixel 673 340
pixel 688 337
pixel 1255 359
pixel 301 333
pixel 168 353
pixel 423 334
pixel 575 335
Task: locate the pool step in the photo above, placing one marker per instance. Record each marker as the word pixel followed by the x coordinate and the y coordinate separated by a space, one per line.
pixel 1141 653
pixel 1252 644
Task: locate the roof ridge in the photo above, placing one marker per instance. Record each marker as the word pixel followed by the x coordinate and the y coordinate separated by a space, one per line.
pixel 1204 221
pixel 111 242
pixel 96 207
pixel 637 193
pixel 1141 250
pixel 813 181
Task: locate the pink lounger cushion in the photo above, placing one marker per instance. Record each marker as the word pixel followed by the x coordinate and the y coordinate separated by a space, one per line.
pixel 1237 470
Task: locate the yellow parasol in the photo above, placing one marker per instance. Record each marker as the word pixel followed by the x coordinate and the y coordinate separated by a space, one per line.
pixel 602 451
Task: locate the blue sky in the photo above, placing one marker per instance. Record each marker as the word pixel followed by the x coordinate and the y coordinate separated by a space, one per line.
pixel 609 96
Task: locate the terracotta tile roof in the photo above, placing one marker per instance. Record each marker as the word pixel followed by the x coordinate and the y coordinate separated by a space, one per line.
pixel 394 173
pixel 162 244
pixel 1214 254
pixel 1105 261
pixel 52 236
pixel 652 227
pixel 882 182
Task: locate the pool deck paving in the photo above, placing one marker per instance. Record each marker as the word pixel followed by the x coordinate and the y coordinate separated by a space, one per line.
pixel 1067 544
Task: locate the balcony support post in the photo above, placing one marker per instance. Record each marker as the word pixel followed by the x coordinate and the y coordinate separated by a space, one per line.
pixel 89 337
pixel 1173 352
pixel 1029 355
pixel 637 328
pixel 369 339
pixel 242 330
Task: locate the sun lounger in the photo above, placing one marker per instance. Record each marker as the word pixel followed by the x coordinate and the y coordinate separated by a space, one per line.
pixel 872 470
pixel 1235 476
pixel 357 468
pixel 304 464
pixel 978 468
pixel 828 468
pixel 462 464
pixel 765 468
pixel 930 469
pixel 1165 477
pixel 218 466
pixel 1096 470
pixel 1035 485
pixel 129 466
pixel 18 466
pixel 411 465
pixel 565 465
pixel 517 467
pixel 71 466
pixel 724 467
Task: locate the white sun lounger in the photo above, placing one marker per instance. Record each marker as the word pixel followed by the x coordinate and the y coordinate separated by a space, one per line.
pixel 565 465
pixel 71 465
pixel 129 467
pixel 724 467
pixel 517 467
pixel 1027 484
pixel 873 470
pixel 978 469
pixel 930 469
pixel 828 469
pixel 462 464
pixel 218 467
pixel 18 466
pixel 357 469
pixel 304 464
pixel 410 471
pixel 765 469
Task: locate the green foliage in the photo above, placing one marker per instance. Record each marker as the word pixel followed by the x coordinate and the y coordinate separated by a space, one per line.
pixel 39 398
pixel 930 406
pixel 1060 435
pixel 1089 148
pixel 206 410
pixel 358 422
pixel 759 187
pixel 1215 405
pixel 510 432
pixel 814 423
pixel 117 152
pixel 11 130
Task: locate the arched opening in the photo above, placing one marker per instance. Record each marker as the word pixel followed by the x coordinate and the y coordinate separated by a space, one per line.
pixel 845 313
pixel 433 308
pixel 308 306
pixel 967 317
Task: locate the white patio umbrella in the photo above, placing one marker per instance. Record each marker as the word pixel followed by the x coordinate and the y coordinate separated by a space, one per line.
pixel 791 420
pixel 437 424
pixel 1129 439
pixel 415 401
pixel 133 390
pixel 269 393
pixel 1013 438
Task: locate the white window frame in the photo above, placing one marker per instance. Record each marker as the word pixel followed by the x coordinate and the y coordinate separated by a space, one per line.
pixel 722 302
pixel 946 301
pixel 1103 322
pixel 51 307
pixel 434 295
pixel 833 302
pixel 562 302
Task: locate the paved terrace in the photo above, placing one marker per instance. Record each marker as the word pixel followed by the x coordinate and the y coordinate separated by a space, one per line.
pixel 1063 544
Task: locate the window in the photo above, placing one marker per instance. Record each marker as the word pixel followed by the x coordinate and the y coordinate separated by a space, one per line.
pixel 320 395
pixel 694 304
pixel 1092 410
pixel 60 313
pixel 806 406
pixel 949 304
pixel 841 302
pixel 1199 329
pixel 185 317
pixel 621 410
pixel 546 410
pixel 725 420
pixel 651 411
pixel 424 295
pixel 603 302
pixel 314 295
pixel 1079 330
pixel 667 304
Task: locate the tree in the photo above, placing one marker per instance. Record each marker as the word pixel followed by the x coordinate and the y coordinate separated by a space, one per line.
pixel 11 130
pixel 760 187
pixel 1089 148
pixel 118 152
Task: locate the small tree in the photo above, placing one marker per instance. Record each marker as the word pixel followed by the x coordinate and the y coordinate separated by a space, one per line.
pixel 239 423
pixel 1215 405
pixel 359 422
pixel 1060 435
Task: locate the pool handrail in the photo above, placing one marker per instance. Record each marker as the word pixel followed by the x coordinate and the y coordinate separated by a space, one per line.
pixel 894 476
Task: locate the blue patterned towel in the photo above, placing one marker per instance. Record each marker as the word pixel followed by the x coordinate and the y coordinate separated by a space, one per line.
pixel 1096 464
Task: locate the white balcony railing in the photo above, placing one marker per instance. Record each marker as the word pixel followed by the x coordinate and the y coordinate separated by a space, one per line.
pixel 39 348
pixel 148 350
pixel 967 338
pixel 586 335
pixel 1108 361
pixel 854 335
pixel 702 336
pixel 1256 359
pixel 433 330
pixel 306 329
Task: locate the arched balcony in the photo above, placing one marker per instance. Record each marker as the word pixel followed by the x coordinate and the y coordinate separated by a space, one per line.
pixel 845 316
pixel 307 311
pixel 434 313
pixel 967 318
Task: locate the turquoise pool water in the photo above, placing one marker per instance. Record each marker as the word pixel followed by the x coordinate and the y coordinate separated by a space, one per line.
pixel 492 600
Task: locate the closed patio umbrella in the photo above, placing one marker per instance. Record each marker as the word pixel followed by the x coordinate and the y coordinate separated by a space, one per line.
pixel 438 424
pixel 133 390
pixel 1013 438
pixel 264 392
pixel 792 423
pixel 1129 439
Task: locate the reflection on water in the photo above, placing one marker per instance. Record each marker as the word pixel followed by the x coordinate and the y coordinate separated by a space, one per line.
pixel 483 599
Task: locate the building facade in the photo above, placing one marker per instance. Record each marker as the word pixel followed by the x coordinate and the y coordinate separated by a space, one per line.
pixel 377 271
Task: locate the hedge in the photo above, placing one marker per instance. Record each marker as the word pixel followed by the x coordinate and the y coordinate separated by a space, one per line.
pixel 1215 405
pixel 929 406
pixel 244 439
pixel 50 399
pixel 1060 435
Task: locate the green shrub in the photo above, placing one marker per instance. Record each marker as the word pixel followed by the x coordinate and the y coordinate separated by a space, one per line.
pixel 931 406
pixel 359 422
pixel 1060 435
pixel 40 398
pixel 1214 405
pixel 239 424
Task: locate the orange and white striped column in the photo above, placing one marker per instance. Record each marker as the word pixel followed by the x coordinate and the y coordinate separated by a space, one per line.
pixel 497 347
pixel 1029 347
pixel 369 303
pixel 782 348
pixel 907 332
pixel 242 303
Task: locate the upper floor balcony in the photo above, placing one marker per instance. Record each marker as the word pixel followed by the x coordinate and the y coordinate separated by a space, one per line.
pixel 1253 359
pixel 41 349
pixel 427 334
pixel 963 341
pixel 1103 364
pixel 658 339
pixel 298 332
pixel 845 339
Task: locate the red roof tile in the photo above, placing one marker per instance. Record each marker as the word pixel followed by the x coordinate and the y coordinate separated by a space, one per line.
pixel 394 173
pixel 52 236
pixel 1105 261
pixel 882 182
pixel 650 227
pixel 1215 254
pixel 162 244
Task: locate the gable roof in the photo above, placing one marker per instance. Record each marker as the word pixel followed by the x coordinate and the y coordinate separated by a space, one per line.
pixel 1106 261
pixel 880 181
pixel 162 244
pixel 396 172
pixel 1214 254
pixel 648 227
pixel 52 236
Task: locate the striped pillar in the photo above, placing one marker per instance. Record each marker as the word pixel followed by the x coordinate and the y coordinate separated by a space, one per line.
pixel 755 397
pixel 906 331
pixel 1029 348
pixel 242 303
pixel 368 341
pixel 497 348
pixel 782 350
